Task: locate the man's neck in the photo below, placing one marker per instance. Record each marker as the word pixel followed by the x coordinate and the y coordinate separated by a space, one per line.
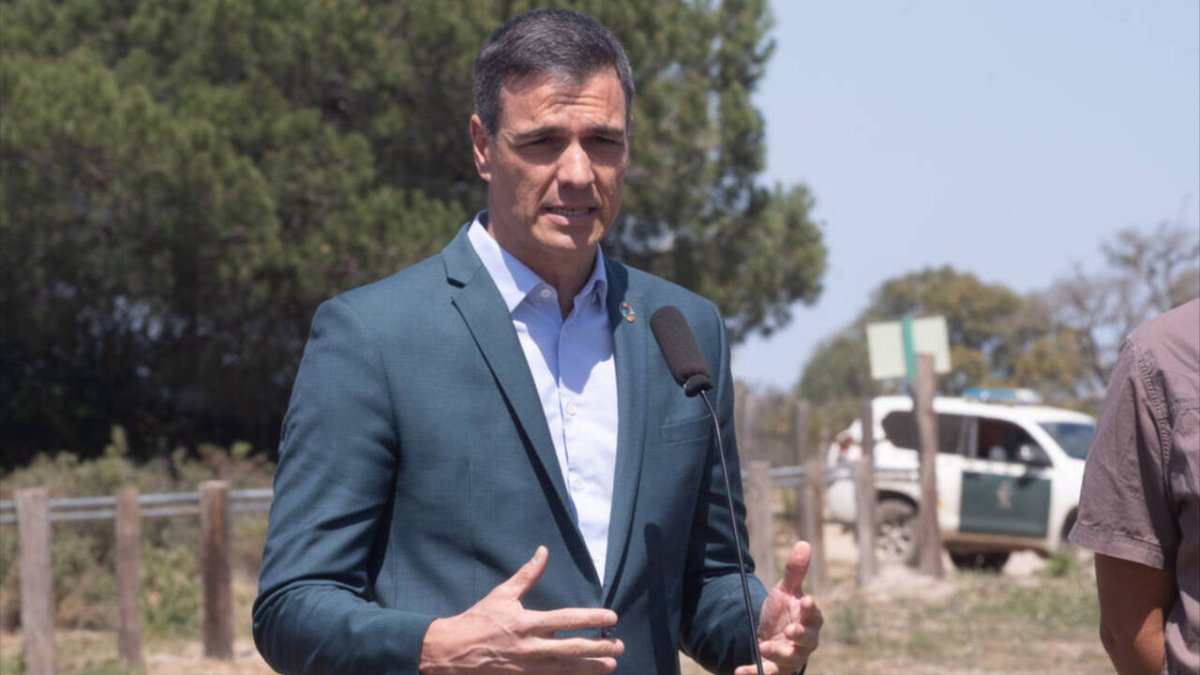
pixel 566 274
pixel 568 282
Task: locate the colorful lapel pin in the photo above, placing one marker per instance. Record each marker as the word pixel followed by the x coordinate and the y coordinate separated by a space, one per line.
pixel 628 313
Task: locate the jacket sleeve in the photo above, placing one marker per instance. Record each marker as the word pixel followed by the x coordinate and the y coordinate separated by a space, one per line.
pixel 333 488
pixel 715 631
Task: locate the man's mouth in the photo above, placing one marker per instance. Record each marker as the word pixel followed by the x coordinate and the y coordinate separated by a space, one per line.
pixel 569 213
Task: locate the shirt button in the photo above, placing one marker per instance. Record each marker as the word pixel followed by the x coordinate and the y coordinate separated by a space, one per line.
pixel 545 292
pixel 571 409
pixel 577 484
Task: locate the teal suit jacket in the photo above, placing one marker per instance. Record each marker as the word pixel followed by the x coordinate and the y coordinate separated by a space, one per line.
pixel 416 472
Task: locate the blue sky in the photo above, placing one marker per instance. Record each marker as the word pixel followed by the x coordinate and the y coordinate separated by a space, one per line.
pixel 1008 139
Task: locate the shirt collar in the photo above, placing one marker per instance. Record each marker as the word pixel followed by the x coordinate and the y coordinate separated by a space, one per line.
pixel 515 280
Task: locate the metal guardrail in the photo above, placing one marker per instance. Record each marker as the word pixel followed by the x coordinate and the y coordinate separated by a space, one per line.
pixel 160 505
pixel 793 476
pixel 910 475
pixel 258 500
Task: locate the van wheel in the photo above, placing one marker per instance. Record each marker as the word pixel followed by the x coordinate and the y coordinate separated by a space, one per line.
pixel 896 532
pixel 992 561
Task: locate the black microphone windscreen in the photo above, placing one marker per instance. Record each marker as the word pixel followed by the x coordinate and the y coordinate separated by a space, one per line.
pixel 682 354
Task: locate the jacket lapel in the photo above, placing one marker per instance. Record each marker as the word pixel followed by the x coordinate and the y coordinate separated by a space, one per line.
pixel 630 340
pixel 483 310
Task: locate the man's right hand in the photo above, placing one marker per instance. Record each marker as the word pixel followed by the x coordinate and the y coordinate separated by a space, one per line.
pixel 498 635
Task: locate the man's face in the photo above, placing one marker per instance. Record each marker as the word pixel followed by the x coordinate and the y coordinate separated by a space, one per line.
pixel 555 168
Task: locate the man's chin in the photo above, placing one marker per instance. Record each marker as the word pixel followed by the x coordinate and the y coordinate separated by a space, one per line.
pixel 577 235
pixel 563 222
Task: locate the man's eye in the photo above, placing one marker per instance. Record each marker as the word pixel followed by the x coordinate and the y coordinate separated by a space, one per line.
pixel 607 142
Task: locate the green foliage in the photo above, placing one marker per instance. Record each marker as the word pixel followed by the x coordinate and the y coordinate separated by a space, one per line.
pixel 980 318
pixel 171 590
pixel 1062 603
pixel 1148 272
pixel 1062 563
pixel 984 322
pixel 836 370
pixel 110 668
pixel 82 552
pixel 986 622
pixel 847 623
pixel 184 182
pixel 997 338
pixel 1060 341
pixel 12 662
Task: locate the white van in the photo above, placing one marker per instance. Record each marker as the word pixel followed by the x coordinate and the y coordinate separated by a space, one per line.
pixel 1008 477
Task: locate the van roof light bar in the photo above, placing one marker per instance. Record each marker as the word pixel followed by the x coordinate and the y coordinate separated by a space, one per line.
pixel 1002 395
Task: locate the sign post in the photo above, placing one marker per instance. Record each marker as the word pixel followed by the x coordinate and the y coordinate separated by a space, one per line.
pixel 916 349
pixel 892 347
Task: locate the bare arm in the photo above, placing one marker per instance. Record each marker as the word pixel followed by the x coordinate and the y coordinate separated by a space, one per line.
pixel 1134 601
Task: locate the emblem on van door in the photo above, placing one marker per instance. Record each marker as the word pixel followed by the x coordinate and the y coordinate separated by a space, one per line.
pixel 1004 495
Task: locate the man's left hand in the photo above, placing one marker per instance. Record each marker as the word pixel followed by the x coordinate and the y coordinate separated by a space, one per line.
pixel 790 624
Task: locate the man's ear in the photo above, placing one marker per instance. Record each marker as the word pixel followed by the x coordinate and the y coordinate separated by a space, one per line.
pixel 481 148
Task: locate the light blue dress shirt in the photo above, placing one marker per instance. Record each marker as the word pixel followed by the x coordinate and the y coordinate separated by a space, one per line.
pixel 572 364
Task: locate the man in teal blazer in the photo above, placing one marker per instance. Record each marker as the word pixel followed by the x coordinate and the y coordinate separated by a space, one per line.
pixel 417 471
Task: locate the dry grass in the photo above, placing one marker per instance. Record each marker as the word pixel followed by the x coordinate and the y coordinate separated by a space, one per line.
pixel 1034 618
pixel 82 652
pixel 1023 621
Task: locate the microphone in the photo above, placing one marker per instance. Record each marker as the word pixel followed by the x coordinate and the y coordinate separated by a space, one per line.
pixel 690 370
pixel 679 348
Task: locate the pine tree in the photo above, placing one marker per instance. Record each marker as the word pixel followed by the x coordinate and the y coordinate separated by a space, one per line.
pixel 183 182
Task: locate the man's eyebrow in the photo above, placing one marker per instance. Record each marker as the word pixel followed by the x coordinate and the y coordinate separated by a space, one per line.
pixel 606 130
pixel 544 131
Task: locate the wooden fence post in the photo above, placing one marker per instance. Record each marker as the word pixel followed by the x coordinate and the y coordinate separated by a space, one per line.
pixel 758 519
pixel 37 580
pixel 747 441
pixel 128 530
pixel 740 394
pixel 215 569
pixel 800 446
pixel 864 481
pixel 810 498
pixel 929 537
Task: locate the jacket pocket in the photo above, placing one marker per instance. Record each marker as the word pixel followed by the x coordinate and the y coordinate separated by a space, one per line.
pixel 692 429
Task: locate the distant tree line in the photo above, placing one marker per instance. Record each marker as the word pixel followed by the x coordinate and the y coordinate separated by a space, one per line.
pixel 184 182
pixel 1061 341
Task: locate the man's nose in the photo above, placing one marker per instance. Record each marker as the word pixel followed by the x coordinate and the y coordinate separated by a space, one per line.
pixel 575 167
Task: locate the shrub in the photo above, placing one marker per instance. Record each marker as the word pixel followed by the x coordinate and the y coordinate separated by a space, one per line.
pixel 82 552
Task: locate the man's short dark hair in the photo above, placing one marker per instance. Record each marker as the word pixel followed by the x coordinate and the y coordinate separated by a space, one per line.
pixel 562 43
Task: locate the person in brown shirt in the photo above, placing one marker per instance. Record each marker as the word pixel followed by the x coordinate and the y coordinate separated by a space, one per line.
pixel 1140 504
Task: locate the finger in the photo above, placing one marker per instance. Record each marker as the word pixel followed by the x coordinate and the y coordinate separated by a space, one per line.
pixel 800 634
pixel 800 637
pixel 768 668
pixel 575 648
pixel 518 585
pixel 778 650
pixel 791 651
pixel 557 666
pixel 797 568
pixel 810 614
pixel 571 618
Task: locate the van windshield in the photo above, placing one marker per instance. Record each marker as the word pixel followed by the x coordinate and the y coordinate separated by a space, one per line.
pixel 1073 437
